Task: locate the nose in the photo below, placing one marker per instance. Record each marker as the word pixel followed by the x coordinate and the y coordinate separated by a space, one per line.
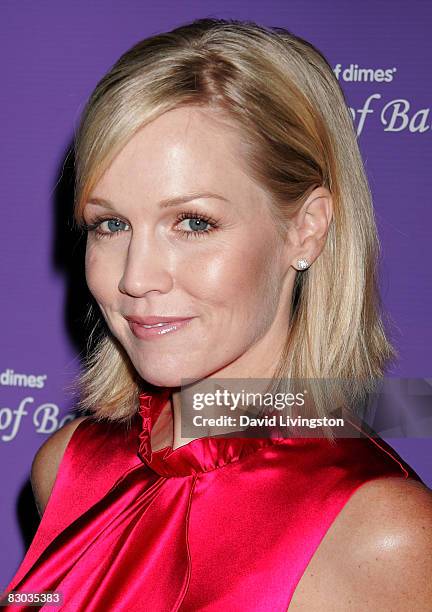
pixel 146 268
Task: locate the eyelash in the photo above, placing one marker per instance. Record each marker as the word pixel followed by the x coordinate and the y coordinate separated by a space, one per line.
pixel 93 227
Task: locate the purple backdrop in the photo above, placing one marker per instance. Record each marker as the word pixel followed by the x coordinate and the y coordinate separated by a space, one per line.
pixel 53 54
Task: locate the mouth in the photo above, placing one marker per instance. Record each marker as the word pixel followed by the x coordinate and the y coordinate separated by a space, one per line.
pixel 147 331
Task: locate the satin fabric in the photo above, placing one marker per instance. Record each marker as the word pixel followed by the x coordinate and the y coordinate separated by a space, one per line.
pixel 217 524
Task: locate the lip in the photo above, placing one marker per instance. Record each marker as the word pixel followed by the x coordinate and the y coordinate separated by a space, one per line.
pixel 167 325
pixel 153 320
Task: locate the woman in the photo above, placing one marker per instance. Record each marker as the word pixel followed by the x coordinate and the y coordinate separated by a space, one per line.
pixel 230 236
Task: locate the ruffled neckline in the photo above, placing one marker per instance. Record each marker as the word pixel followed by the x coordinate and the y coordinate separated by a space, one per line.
pixel 197 456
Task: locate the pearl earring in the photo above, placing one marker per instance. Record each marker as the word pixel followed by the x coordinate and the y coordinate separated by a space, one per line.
pixel 302 264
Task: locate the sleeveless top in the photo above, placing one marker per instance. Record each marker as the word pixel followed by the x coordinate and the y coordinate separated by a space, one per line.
pixel 216 524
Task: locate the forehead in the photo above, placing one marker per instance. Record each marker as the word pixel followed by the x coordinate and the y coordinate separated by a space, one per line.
pixel 182 150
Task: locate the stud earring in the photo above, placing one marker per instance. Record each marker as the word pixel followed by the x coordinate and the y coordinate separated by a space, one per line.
pixel 303 264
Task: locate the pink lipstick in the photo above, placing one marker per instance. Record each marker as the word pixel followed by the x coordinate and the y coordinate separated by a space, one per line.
pixel 153 327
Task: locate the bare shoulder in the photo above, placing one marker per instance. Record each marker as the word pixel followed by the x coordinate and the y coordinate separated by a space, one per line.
pixel 47 460
pixel 387 560
pixel 377 554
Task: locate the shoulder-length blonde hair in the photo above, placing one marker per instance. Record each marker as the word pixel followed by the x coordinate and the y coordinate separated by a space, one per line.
pixel 282 94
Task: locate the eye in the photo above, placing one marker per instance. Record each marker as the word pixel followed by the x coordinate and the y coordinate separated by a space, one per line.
pixel 195 224
pixel 107 227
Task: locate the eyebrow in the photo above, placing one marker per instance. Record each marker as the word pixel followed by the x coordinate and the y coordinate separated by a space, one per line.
pixel 167 202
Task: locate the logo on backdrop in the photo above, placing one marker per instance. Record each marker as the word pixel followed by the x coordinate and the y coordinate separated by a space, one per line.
pixel 395 115
pixel 45 416
pixel 9 378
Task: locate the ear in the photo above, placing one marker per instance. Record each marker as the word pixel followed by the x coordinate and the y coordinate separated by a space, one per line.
pixel 308 229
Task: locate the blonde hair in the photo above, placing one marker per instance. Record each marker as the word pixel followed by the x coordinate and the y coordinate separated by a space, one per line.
pixel 282 94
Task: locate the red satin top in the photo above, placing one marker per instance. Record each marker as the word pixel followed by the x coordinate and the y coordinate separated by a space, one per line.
pixel 217 524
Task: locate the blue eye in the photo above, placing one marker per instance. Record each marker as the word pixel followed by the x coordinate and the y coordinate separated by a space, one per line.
pixel 113 226
pixel 198 224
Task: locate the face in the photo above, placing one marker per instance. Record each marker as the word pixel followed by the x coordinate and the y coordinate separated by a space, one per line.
pixel 177 229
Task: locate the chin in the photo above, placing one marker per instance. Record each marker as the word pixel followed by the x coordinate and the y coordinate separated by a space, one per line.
pixel 175 370
pixel 165 377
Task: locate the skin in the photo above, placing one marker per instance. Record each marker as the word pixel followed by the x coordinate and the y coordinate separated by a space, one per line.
pixel 377 553
pixel 236 280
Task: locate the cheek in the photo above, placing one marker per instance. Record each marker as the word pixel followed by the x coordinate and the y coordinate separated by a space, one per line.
pixel 99 274
pixel 243 277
